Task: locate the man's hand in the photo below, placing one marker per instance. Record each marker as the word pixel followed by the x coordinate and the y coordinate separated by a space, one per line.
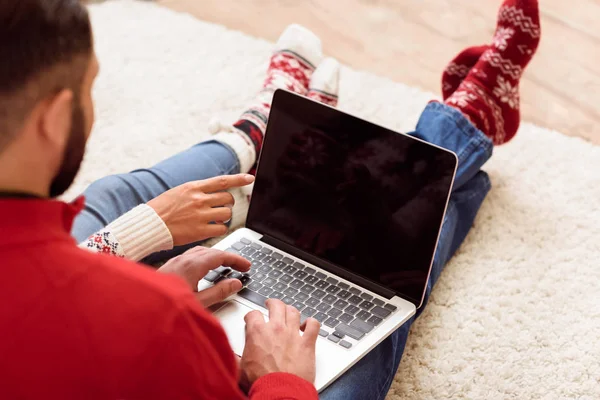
pixel 277 346
pixel 197 210
pixel 194 264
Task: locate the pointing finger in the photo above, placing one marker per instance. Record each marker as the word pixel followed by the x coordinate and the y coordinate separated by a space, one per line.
pixel 224 182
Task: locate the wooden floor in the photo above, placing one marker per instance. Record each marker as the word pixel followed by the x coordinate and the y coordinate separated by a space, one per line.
pixel 412 40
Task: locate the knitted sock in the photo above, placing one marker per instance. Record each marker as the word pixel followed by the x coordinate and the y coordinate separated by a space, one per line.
pixel 489 95
pixel 323 87
pixel 459 67
pixel 324 84
pixel 297 53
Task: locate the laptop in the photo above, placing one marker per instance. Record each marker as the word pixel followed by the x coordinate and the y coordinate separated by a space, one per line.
pixel 343 224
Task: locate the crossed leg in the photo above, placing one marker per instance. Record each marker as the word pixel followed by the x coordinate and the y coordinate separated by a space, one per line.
pixel 480 88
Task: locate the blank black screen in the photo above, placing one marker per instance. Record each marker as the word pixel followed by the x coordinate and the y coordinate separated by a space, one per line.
pixel 352 193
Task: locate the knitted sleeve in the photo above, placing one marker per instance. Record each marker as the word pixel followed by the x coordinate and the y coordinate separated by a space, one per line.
pixel 134 235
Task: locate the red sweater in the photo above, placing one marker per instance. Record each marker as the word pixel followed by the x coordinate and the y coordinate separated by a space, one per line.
pixel 79 325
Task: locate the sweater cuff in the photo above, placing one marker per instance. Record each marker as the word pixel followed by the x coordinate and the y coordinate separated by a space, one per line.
pixel 141 232
pixel 283 386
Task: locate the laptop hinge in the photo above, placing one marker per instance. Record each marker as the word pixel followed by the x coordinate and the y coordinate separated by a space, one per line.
pixel 334 269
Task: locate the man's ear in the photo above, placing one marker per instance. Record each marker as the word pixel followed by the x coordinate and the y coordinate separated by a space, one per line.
pixel 56 118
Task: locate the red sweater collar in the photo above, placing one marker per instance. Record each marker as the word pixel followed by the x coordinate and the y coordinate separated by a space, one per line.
pixel 35 219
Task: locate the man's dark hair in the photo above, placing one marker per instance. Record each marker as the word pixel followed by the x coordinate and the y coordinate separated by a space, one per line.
pixel 45 47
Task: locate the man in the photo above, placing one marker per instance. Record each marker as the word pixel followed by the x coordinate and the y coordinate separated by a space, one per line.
pixel 81 325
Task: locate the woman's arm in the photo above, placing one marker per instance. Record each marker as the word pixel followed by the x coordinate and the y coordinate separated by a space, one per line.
pixel 135 235
pixel 186 214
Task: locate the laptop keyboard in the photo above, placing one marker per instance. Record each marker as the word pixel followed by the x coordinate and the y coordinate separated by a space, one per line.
pixel 343 310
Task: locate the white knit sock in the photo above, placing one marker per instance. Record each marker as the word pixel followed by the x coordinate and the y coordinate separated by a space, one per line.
pixel 324 83
pixel 297 53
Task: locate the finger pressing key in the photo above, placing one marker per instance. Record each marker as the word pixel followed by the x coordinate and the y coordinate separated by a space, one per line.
pixel 311 331
pixel 292 317
pixel 277 311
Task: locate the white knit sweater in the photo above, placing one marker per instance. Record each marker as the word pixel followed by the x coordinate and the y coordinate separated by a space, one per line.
pixel 134 235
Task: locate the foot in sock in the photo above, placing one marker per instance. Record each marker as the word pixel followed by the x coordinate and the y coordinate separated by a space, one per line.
pixel 457 70
pixel 489 95
pixel 292 67
pixel 297 53
pixel 323 87
pixel 324 84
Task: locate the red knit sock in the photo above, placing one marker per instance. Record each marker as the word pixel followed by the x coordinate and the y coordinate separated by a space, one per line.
pixel 459 67
pixel 298 52
pixel 489 95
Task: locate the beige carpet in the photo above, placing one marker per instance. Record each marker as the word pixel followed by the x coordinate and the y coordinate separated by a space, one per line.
pixel 516 314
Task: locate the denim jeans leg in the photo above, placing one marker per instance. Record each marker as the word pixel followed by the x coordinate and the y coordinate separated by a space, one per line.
pixel 444 126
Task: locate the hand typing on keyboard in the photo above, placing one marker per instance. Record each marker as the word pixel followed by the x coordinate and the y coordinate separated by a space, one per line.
pixel 277 345
pixel 195 264
pixel 344 310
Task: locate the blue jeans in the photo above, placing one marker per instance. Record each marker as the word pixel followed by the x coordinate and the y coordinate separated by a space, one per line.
pixel 112 196
pixel 439 124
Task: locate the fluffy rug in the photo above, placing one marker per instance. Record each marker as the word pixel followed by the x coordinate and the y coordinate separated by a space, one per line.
pixel 516 314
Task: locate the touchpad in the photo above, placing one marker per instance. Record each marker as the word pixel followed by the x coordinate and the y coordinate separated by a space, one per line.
pixel 231 316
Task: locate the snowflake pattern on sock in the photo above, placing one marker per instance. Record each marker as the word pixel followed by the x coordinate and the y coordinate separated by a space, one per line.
pixel 502 36
pixel 462 98
pixel 287 70
pixel 489 95
pixel 507 93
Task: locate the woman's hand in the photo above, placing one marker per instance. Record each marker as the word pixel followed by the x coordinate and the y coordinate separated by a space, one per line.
pixel 197 210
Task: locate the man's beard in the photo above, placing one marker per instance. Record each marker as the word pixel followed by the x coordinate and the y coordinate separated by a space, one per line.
pixel 73 155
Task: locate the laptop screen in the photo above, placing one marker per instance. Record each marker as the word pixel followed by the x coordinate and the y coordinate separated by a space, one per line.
pixel 359 196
